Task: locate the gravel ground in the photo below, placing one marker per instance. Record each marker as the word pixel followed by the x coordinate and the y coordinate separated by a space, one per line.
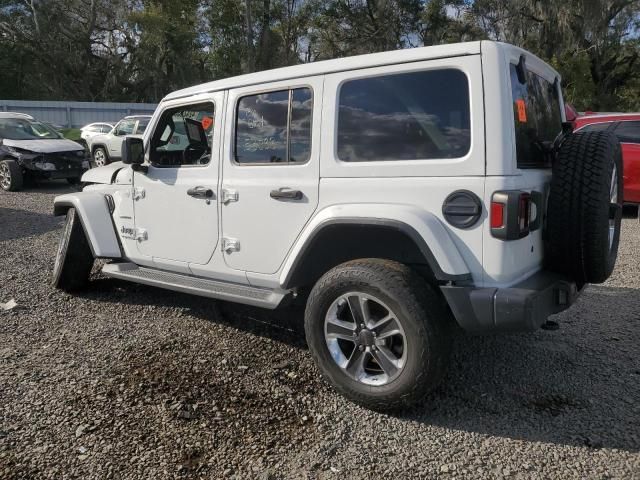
pixel 126 381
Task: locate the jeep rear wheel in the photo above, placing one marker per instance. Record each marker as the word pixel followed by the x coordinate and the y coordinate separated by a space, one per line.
pixel 11 178
pixel 74 259
pixel 378 332
pixel 584 213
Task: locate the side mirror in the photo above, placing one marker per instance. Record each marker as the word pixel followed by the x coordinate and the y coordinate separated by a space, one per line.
pixel 132 151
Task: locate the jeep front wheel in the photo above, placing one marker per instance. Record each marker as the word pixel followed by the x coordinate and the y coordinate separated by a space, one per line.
pixel 378 333
pixel 74 259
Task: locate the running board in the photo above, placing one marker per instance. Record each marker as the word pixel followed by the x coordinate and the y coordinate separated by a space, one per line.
pixel 233 292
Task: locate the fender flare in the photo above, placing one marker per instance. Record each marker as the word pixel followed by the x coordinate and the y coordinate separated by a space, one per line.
pixel 97 223
pixel 423 227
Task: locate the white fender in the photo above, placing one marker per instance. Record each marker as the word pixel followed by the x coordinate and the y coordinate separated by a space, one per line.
pixel 104 174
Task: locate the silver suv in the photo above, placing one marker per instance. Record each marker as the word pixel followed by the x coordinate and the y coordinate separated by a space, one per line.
pixel 106 148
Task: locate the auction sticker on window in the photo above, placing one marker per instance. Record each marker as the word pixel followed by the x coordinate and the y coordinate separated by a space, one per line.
pixel 207 122
pixel 522 110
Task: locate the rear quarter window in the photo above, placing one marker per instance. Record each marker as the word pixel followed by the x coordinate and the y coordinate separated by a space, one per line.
pixel 406 116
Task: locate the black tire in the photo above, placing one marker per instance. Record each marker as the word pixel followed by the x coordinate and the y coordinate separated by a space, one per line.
pixel 74 259
pixel 580 207
pixel 420 313
pixel 100 157
pixel 73 180
pixel 11 178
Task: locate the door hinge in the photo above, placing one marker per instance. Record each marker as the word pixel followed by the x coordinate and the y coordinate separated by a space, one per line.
pixel 229 195
pixel 141 234
pixel 230 245
pixel 138 193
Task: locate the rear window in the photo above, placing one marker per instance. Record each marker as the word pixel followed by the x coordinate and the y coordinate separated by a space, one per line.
pixel 628 132
pixel 595 127
pixel 406 116
pixel 538 119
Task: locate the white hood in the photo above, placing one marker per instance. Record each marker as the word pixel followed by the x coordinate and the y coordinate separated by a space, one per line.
pixel 102 174
pixel 45 145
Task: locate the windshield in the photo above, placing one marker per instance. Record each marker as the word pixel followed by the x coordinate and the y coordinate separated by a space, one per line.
pixel 538 118
pixel 23 129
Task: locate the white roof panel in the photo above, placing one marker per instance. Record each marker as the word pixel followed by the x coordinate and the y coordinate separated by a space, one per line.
pixel 332 66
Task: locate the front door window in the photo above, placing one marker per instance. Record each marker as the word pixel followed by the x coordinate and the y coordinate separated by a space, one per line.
pixel 183 137
pixel 125 127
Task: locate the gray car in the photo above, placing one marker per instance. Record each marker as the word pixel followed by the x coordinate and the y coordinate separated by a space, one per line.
pixel 30 149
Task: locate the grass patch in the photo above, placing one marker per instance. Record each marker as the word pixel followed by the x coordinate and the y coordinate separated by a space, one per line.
pixel 71 133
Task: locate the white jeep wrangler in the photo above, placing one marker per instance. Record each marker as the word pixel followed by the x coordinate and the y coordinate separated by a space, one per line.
pixel 400 192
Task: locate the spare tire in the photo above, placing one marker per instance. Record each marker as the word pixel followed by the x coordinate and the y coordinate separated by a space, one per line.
pixel 584 210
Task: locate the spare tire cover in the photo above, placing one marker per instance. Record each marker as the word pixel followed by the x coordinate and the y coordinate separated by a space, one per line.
pixel 584 210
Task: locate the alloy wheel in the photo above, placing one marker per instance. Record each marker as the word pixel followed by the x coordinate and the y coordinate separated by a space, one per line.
pixel 5 176
pixel 100 158
pixel 365 338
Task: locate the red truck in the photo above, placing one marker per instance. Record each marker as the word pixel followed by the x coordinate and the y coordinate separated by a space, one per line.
pixel 626 126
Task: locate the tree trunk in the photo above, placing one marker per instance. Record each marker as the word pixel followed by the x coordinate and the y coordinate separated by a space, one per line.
pixel 251 62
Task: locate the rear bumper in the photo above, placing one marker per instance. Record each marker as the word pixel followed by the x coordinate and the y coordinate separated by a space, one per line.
pixel 520 308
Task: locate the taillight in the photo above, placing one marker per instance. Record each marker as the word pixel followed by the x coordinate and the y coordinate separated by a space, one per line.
pixel 497 215
pixel 510 214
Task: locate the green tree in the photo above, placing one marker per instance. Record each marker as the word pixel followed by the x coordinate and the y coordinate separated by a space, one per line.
pixel 167 54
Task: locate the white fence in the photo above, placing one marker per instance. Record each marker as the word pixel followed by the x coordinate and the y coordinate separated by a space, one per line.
pixel 76 114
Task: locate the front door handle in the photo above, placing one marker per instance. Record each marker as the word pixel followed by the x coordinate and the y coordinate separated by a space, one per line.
pixel 200 192
pixel 286 193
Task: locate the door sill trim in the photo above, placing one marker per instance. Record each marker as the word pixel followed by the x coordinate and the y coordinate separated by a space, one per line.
pixel 204 287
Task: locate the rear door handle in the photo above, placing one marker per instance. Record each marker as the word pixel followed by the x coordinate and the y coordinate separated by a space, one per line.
pixel 200 192
pixel 285 193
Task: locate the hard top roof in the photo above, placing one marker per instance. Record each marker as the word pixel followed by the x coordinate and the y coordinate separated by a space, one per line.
pixel 332 66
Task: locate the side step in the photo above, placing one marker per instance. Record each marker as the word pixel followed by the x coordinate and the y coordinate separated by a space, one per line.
pixel 233 292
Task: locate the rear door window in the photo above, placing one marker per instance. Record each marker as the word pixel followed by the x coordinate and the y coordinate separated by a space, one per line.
pixel 628 132
pixel 537 116
pixel 274 127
